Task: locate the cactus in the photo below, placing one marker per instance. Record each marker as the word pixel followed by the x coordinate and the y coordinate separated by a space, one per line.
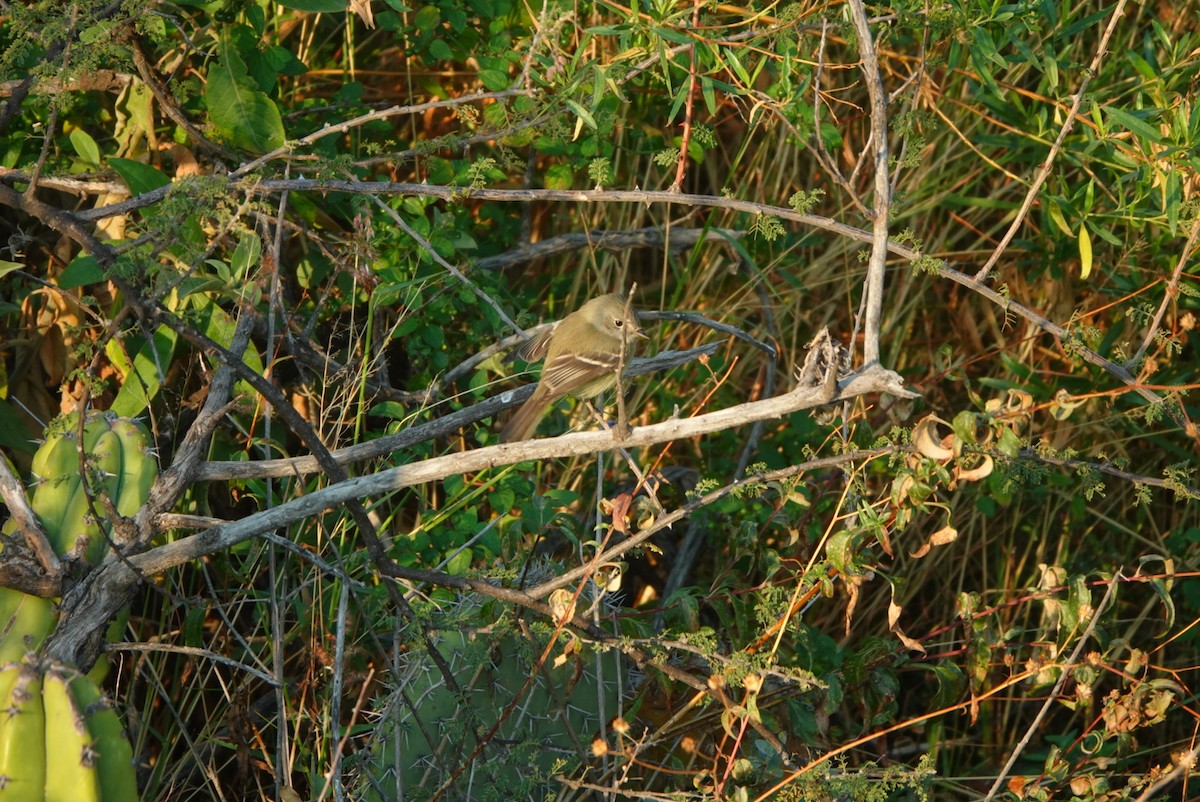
pixel 60 741
pixel 25 621
pixel 427 732
pixel 120 463
pixel 122 466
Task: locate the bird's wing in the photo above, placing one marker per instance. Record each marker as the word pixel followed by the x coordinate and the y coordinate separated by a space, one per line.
pixel 567 373
pixel 534 350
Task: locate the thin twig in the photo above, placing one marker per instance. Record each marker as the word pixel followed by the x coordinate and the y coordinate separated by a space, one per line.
pixel 824 158
pixel 358 122
pixel 617 240
pixel 193 651
pixel 623 429
pixel 1052 699
pixel 441 427
pixel 1044 171
pixel 689 106
pixel 1184 764
pixel 1169 295
pixel 451 269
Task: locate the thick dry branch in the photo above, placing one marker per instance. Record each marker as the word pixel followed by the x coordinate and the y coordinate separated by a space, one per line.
pixel 75 186
pixel 89 605
pixel 97 81
pixel 445 425
pixel 871 380
pixel 873 286
pixel 69 225
pixel 449 193
pixel 596 196
pixel 26 521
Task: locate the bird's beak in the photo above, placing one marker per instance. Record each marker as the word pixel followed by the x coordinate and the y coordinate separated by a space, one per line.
pixel 638 331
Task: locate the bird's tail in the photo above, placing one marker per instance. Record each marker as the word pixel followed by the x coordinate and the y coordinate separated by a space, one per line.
pixel 525 420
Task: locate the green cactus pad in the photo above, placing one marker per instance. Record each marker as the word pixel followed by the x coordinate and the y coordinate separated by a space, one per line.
pixel 429 735
pixel 60 740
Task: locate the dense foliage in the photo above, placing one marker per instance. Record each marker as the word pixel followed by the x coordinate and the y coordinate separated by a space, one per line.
pixel 289 230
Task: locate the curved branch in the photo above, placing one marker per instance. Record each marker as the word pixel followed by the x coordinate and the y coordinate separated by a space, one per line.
pixel 69 225
pixel 872 380
pixel 445 425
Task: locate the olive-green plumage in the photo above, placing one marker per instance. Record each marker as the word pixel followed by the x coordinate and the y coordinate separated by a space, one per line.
pixel 582 355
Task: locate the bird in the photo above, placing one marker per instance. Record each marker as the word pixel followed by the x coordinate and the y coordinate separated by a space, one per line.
pixel 582 353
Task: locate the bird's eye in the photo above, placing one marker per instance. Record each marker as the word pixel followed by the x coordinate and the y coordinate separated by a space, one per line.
pixel 618 323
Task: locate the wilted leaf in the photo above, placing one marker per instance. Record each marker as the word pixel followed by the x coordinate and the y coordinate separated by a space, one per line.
pixel 927 442
pixel 947 534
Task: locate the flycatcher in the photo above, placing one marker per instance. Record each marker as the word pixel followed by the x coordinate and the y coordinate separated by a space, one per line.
pixel 582 352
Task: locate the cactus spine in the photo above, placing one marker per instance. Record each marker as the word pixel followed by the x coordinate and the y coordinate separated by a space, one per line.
pixel 59 740
pixel 22 735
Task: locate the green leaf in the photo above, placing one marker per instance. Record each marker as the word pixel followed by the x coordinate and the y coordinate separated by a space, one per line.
pixel 85 146
pixel 1054 209
pixel 8 267
pixel 389 409
pixel 1085 252
pixel 1050 65
pixel 460 563
pixel 82 270
pixel 502 499
pixel 710 96
pixel 985 47
pixel 315 6
pixel 1173 198
pixel 559 176
pixel 428 18
pixel 441 51
pixel 1161 587
pixel 840 551
pixel 246 255
pixel 193 625
pixel 583 114
pixel 738 68
pixel 246 117
pixel 1133 124
pixel 1142 67
pixel 140 178
pixel 218 326
pixel 143 378
pixel 1068 33
pixel 1009 443
pixel 495 80
pixel 257 18
pixel 283 62
pixel 964 426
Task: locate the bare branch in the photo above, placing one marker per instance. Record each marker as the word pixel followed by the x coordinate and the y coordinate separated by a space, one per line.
pixel 871 380
pixel 372 449
pixel 1169 294
pixel 873 286
pixel 13 493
